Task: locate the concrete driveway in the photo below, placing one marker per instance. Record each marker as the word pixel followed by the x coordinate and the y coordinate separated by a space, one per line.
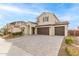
pixel 36 45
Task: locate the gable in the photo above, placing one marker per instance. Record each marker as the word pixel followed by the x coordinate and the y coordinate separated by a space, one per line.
pixel 51 18
pixel 47 13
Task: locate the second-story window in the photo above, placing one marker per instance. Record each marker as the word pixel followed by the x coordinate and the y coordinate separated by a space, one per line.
pixel 45 19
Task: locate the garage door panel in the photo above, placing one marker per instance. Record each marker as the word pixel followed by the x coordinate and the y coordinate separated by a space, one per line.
pixel 43 31
pixel 60 31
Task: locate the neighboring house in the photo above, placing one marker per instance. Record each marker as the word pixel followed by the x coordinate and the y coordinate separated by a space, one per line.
pixel 19 26
pixel 73 32
pixel 47 24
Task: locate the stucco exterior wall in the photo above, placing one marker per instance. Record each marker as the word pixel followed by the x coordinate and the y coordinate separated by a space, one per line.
pixel 30 27
pixel 51 31
pixel 35 30
pixel 66 30
pixel 52 19
pixel 26 30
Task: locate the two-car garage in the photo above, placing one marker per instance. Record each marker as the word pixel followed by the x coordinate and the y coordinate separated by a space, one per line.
pixel 58 31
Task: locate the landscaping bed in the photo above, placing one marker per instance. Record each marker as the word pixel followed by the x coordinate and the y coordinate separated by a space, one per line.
pixel 69 47
pixel 13 35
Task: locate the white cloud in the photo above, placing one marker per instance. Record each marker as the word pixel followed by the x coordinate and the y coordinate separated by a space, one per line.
pixel 1 16
pixel 30 11
pixel 69 17
pixel 20 10
pixel 10 8
pixel 35 9
pixel 33 12
pixel 71 14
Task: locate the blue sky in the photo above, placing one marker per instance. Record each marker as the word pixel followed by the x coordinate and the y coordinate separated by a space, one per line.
pixel 10 12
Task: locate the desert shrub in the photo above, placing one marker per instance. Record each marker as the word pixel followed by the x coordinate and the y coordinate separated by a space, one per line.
pixel 1 34
pixel 72 51
pixel 17 33
pixel 69 40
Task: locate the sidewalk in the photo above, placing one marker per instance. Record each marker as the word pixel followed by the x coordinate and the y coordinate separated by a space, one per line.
pixel 4 47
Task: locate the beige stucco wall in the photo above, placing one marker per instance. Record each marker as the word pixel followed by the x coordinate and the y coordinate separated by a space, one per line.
pixel 26 30
pixel 66 30
pixel 35 30
pixel 30 27
pixel 52 19
pixel 51 30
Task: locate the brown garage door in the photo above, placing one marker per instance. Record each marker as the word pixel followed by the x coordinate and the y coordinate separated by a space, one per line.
pixel 60 31
pixel 43 31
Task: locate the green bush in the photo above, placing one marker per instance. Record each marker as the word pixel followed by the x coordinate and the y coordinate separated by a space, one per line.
pixel 17 33
pixel 72 51
pixel 1 34
pixel 69 40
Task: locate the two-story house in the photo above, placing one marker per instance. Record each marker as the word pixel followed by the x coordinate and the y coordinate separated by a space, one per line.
pixel 49 24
